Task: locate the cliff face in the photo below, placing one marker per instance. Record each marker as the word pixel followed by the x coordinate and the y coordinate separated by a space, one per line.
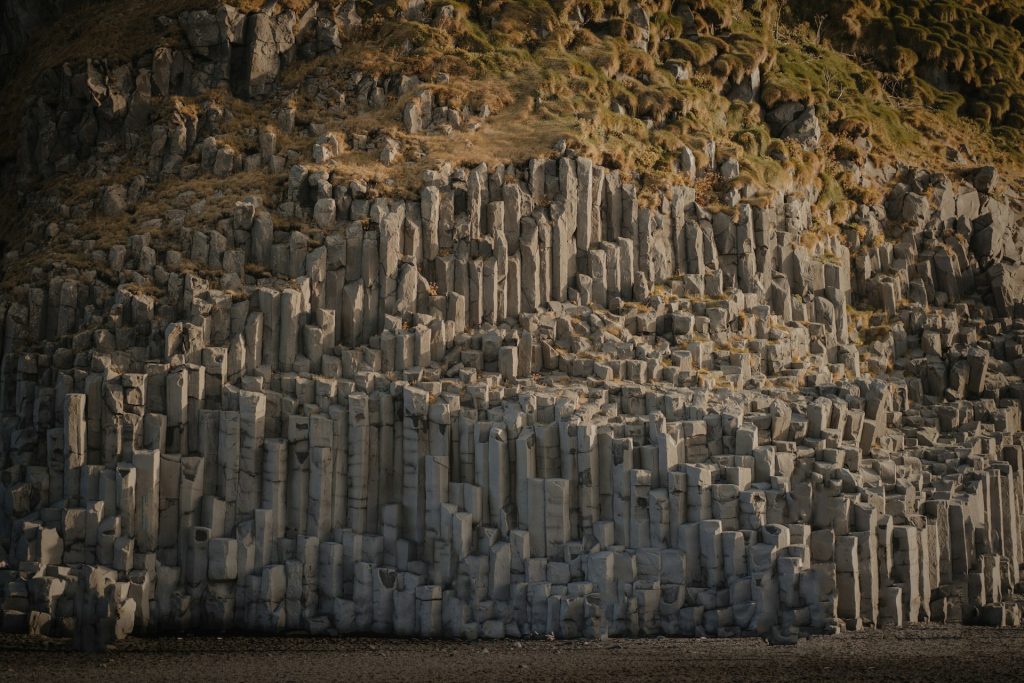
pixel 503 319
pixel 19 20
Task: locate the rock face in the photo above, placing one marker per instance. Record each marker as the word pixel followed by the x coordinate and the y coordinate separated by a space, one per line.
pixel 796 121
pixel 518 401
pixel 19 21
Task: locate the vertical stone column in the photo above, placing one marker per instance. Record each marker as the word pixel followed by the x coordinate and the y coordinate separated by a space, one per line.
pixel 436 480
pixel 530 267
pixel 498 488
pixel 275 478
pixel 228 463
pixel 291 324
pixel 177 410
pixel 358 460
pixel 126 481
pixel 147 499
pixel 252 411
pixel 321 492
pixel 563 248
pixel 556 516
pixel 297 499
pixel 75 428
pixel 339 507
pixel 639 513
pixel 587 468
pixel 866 518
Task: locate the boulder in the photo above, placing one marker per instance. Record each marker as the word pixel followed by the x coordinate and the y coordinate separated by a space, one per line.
pixel 784 114
pixel 324 212
pixel 805 129
pixel 986 179
pixel 202 30
pixel 990 236
pixel 1008 288
pixel 261 56
pixel 114 200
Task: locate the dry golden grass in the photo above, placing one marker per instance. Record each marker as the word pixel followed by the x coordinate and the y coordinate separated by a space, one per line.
pixel 219 195
pixel 706 188
pixel 544 82
pixel 256 5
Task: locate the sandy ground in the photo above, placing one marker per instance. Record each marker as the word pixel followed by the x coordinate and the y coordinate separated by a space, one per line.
pixel 919 653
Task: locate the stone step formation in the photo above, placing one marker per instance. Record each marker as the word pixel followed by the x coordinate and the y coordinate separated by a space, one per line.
pixel 523 401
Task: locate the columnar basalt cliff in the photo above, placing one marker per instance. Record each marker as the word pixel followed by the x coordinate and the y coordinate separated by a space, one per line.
pixel 292 340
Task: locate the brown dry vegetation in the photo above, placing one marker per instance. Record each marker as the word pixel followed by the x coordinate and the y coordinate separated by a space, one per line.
pixel 544 80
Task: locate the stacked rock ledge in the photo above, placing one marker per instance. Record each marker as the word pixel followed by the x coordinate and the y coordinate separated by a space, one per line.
pixel 521 402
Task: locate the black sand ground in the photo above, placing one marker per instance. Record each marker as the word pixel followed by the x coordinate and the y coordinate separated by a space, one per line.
pixel 919 653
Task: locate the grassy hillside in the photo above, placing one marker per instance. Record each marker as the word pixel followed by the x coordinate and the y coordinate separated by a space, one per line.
pixel 964 57
pixel 936 85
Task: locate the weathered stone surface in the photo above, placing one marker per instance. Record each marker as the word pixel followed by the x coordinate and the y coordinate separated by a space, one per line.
pixel 513 400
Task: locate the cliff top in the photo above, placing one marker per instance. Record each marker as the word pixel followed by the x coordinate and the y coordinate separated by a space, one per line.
pixel 922 83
